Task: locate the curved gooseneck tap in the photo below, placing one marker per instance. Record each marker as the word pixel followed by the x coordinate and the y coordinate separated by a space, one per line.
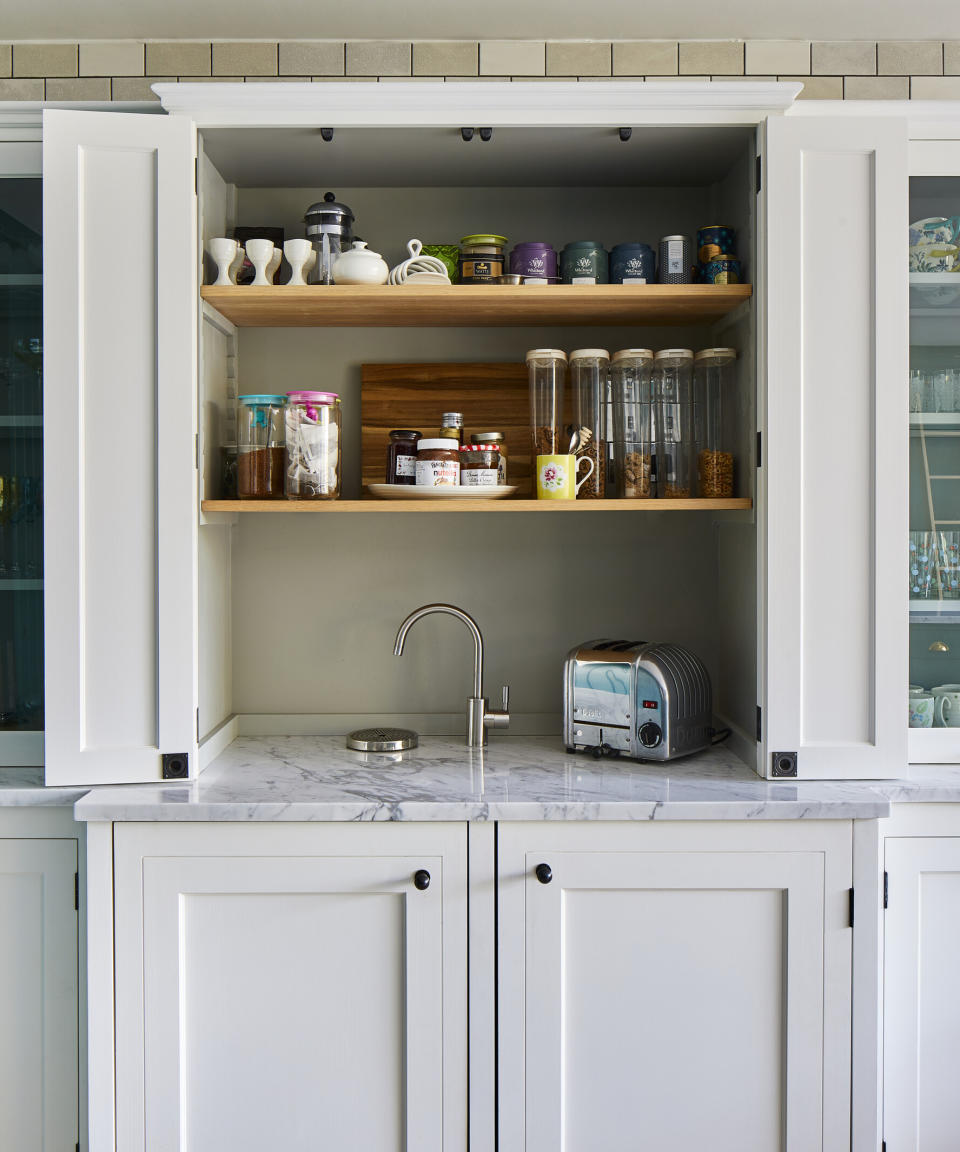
pixel 479 716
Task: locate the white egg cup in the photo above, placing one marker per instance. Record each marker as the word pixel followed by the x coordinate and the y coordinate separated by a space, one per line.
pixel 301 256
pixel 265 259
pixel 227 254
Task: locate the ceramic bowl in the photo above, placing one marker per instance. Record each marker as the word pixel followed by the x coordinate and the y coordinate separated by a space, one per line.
pixel 933 257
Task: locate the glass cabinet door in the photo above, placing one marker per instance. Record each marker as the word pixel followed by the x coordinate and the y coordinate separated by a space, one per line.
pixel 21 470
pixel 933 548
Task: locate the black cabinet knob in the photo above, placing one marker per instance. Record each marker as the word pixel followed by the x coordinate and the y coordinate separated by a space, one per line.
pixel 421 879
pixel 544 873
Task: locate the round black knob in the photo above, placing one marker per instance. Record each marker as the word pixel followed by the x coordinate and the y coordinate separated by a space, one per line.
pixel 544 873
pixel 650 734
pixel 421 879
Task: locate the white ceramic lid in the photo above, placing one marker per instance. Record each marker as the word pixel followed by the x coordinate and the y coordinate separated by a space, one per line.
pixel 547 354
pixel 633 354
pixel 716 353
pixel 590 354
pixel 674 354
pixel 435 445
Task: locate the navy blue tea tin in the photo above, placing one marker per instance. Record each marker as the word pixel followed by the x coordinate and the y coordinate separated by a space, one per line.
pixel 715 240
pixel 633 263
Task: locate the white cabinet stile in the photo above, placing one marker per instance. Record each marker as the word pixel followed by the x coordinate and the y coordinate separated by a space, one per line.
pixel 120 308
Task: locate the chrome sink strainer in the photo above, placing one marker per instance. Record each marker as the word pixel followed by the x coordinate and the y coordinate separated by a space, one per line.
pixel 382 740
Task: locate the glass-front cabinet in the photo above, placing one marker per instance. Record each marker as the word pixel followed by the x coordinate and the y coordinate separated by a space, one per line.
pixel 21 457
pixel 933 546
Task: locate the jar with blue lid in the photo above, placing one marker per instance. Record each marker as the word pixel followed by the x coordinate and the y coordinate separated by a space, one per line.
pixel 584 262
pixel 633 263
pixel 261 446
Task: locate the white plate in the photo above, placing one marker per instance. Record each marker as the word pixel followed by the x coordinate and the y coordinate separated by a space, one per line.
pixel 411 492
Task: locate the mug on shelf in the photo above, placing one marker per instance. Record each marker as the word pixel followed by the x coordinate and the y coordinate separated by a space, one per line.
pixel 921 710
pixel 943 690
pixel 557 476
pixel 947 709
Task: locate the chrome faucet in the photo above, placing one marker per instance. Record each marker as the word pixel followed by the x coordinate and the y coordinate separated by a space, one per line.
pixel 479 716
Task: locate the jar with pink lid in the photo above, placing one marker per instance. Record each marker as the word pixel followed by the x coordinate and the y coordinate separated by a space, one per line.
pixel 313 445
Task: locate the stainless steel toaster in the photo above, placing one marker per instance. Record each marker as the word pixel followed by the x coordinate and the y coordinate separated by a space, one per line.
pixel 646 700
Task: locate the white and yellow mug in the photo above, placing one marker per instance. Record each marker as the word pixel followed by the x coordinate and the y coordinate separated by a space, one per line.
pixel 557 476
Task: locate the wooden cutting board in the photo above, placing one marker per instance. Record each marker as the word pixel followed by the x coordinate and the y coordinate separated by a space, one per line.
pixel 492 398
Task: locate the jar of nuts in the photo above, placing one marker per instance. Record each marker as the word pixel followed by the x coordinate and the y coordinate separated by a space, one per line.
pixel 633 442
pixel 713 370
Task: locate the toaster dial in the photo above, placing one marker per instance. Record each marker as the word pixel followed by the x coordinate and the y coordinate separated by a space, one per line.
pixel 649 734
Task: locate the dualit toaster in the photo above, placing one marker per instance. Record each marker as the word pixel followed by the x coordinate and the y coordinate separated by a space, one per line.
pixel 649 701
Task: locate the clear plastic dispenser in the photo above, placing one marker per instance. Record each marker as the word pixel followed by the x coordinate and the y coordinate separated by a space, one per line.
pixel 633 440
pixel 672 383
pixel 261 455
pixel 589 368
pixel 547 372
pixel 713 370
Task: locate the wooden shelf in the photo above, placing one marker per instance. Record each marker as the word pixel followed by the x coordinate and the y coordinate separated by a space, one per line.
pixel 370 505
pixel 462 305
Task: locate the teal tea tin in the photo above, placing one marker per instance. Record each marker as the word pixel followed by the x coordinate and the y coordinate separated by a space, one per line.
pixel 721 270
pixel 715 240
pixel 584 262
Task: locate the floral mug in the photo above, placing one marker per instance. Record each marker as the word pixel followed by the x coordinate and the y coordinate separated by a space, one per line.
pixel 935 230
pixel 921 710
pixel 557 476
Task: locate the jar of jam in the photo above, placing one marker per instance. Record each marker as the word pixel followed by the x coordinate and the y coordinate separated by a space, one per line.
pixel 481 258
pixel 478 465
pixel 402 456
pixel 498 441
pixel 438 464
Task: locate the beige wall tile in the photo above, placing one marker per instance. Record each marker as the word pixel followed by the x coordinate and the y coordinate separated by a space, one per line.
pixel 771 57
pixel 935 88
pixel 735 79
pixel 578 58
pixel 818 87
pixel 178 58
pixel 410 79
pixel 711 57
pixel 844 57
pixel 6 60
pixel 86 88
pixel 378 57
pixel 44 60
pixel 951 57
pixel 645 58
pixel 212 79
pixel 345 79
pixel 876 88
pixel 277 79
pixel 475 79
pixel 137 87
pixel 446 58
pixel 909 58
pixel 21 89
pixel 111 58
pixel 513 58
pixel 675 79
pixel 311 57
pixel 245 58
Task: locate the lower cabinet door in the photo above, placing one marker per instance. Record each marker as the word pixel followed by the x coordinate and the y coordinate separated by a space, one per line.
pixel 38 996
pixel 291 987
pixel 674 987
pixel 921 995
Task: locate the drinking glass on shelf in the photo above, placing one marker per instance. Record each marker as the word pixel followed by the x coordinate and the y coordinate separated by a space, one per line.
pixel 923 566
pixel 949 565
pixel 942 391
pixel 917 383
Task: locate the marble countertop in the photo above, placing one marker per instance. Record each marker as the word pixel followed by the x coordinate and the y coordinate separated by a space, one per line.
pixel 515 778
pixel 24 788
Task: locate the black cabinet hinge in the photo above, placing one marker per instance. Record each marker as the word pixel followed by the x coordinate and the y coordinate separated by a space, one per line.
pixel 76 891
pixel 196 175
pixel 759 173
pixel 759 449
pixel 759 723
pixel 886 889
pixel 851 907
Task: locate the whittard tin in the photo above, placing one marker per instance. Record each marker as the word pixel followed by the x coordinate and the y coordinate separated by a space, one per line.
pixel 722 270
pixel 674 263
pixel 715 240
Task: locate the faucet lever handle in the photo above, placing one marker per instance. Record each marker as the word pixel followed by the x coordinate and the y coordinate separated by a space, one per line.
pixel 506 697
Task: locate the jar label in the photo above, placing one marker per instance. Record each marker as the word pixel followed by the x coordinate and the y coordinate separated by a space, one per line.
pixel 479 478
pixel 438 473
pixel 583 280
pixel 406 465
pixel 674 256
pixel 634 280
pixel 481 269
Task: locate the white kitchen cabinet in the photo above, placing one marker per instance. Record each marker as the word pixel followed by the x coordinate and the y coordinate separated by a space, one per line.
pixel 674 987
pixel 39 1001
pixel 290 986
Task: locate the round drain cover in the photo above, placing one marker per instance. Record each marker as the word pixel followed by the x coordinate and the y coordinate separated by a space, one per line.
pixel 382 740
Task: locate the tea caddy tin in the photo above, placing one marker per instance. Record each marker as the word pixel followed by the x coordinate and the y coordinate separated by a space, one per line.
pixel 534 260
pixel 722 270
pixel 674 262
pixel 715 240
pixel 633 263
pixel 584 262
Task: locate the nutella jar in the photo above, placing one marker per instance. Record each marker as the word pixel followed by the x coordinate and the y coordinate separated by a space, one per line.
pixel 402 456
pixel 498 442
pixel 478 465
pixel 438 464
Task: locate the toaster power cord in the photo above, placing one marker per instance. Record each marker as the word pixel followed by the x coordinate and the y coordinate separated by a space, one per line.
pixel 718 735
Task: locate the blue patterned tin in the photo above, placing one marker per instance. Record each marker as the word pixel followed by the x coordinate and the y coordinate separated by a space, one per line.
pixel 721 270
pixel 715 240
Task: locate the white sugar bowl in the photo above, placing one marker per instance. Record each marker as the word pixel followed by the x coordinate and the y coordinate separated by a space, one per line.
pixel 358 265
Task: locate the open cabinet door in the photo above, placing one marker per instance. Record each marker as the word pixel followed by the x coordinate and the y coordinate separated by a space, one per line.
pixel 120 534
pixel 835 448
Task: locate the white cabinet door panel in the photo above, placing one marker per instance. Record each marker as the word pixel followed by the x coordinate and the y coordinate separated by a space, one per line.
pixel 38 996
pixel 835 451
pixel 921 999
pixel 293 1001
pixel 120 317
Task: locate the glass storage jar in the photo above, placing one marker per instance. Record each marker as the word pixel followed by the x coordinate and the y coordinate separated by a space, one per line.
pixel 672 387
pixel 712 382
pixel 313 445
pixel 402 456
pixel 261 455
pixel 589 369
pixel 481 257
pixel 438 464
pixel 633 439
pixel 478 465
pixel 498 441
pixel 547 373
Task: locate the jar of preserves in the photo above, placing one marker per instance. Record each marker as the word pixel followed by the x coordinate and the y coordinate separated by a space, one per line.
pixel 712 382
pixel 438 464
pixel 313 445
pixel 402 456
pixel 672 387
pixel 497 439
pixel 633 440
pixel 478 465
pixel 481 257
pixel 261 452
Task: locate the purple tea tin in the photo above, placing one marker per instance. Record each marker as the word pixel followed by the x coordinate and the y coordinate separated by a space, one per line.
pixel 534 260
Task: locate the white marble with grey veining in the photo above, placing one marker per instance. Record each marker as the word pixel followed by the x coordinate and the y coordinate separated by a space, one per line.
pixel 926 784
pixel 24 788
pixel 515 778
